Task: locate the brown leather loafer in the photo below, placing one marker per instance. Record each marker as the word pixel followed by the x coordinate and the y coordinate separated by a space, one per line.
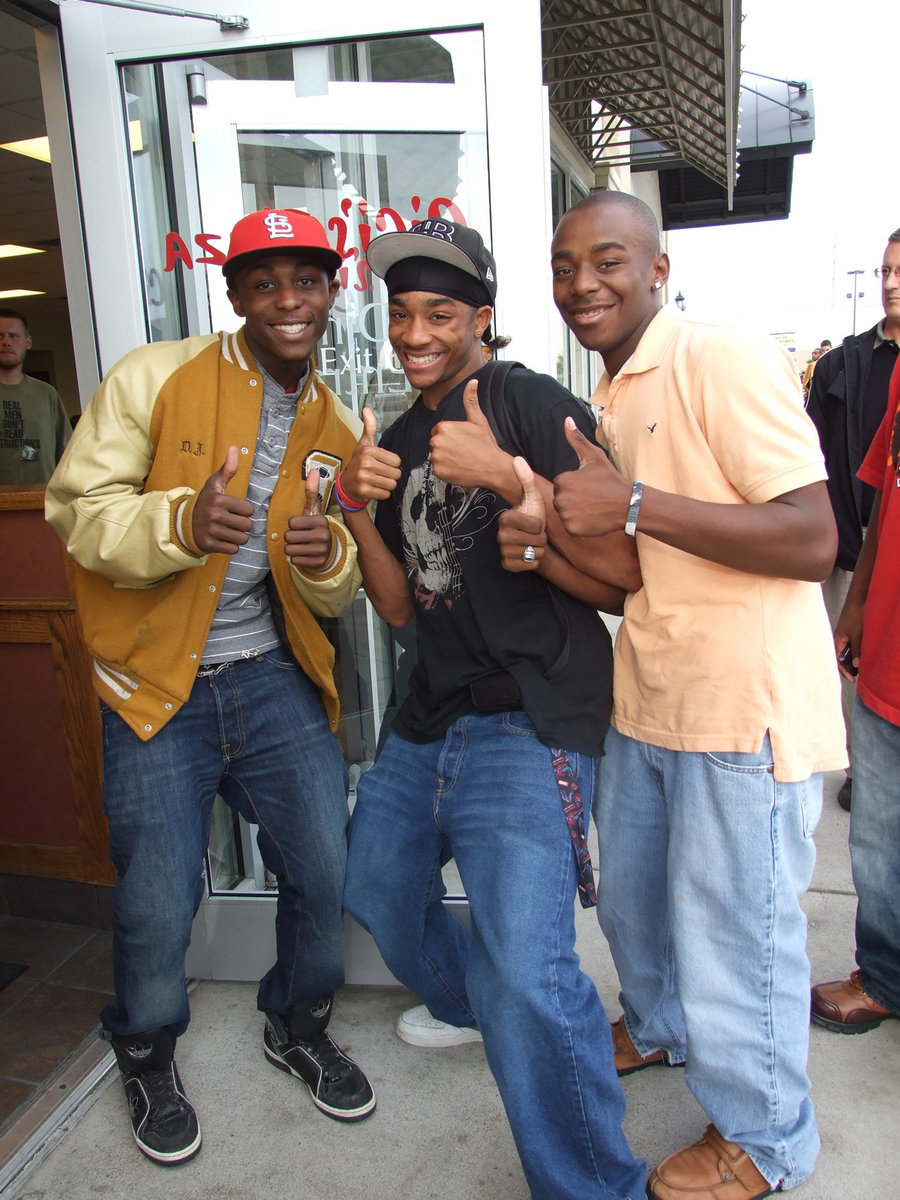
pixel 846 1007
pixel 711 1169
pixel 625 1055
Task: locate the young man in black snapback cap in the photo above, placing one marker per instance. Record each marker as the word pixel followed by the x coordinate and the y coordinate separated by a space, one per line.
pixel 196 500
pixel 491 756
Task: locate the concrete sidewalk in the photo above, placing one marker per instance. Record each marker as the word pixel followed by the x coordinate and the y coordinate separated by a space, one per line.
pixel 439 1132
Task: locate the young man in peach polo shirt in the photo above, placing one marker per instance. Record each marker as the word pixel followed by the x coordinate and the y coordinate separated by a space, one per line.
pixel 726 704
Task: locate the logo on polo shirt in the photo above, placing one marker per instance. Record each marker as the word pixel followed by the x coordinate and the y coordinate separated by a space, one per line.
pixel 278 225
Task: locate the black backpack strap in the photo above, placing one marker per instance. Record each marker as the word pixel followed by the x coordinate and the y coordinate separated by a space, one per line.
pixel 494 407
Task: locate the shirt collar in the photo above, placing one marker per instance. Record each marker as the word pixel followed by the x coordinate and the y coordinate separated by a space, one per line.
pixel 879 335
pixel 649 352
pixel 274 393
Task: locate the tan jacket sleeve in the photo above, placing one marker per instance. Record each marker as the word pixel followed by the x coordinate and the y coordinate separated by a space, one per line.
pixel 95 499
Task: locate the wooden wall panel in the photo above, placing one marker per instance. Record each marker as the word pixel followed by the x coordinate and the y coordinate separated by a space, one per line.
pixel 51 817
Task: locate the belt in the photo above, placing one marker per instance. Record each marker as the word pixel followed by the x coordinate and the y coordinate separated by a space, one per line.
pixel 212 669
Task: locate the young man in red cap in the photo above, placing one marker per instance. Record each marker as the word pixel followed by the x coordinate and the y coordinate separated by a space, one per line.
pixel 196 500
pixel 491 757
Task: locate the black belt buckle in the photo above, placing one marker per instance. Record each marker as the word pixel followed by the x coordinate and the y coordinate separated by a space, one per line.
pixel 495 693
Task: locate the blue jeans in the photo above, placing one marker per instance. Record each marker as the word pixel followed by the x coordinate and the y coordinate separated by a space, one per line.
pixel 702 860
pixel 875 853
pixel 257 733
pixel 486 793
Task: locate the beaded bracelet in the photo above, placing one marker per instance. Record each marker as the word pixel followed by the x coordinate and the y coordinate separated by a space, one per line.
pixel 344 501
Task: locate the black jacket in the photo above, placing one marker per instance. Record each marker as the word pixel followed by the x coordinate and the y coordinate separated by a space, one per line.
pixel 836 398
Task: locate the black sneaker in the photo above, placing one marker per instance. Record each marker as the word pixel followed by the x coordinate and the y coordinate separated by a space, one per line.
pixel 163 1121
pixel 337 1085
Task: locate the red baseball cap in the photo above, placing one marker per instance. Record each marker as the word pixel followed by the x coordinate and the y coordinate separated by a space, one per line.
pixel 278 231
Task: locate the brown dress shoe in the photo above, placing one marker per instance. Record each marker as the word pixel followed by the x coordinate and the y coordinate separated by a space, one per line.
pixel 846 1007
pixel 625 1055
pixel 711 1169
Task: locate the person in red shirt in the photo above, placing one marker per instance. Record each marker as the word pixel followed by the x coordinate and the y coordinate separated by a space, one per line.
pixel 867 641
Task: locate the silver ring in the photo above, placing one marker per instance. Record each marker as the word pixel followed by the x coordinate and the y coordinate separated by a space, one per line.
pixel 528 554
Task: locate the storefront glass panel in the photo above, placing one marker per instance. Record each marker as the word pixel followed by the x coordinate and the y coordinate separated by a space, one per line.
pixel 575 366
pixel 368 136
pixel 163 298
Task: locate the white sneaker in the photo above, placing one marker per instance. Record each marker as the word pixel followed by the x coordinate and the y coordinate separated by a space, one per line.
pixel 419 1028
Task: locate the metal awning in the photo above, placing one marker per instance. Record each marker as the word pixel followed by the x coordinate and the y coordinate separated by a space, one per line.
pixel 669 68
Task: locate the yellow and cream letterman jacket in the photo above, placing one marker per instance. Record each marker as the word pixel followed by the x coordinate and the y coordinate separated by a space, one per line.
pixel 158 426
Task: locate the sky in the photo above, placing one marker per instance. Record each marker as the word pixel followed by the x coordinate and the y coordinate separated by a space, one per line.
pixel 790 276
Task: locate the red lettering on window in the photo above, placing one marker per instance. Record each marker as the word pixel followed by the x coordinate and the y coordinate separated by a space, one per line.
pixel 434 210
pixel 339 226
pixel 213 253
pixel 176 251
pixel 381 220
pixel 362 275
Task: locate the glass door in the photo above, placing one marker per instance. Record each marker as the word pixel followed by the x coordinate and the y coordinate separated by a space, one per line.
pixel 170 126
pixel 368 136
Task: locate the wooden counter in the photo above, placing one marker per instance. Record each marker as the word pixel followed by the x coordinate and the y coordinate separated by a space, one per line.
pixel 51 812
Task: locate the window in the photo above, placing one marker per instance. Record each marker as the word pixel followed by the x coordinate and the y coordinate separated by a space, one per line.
pixel 576 368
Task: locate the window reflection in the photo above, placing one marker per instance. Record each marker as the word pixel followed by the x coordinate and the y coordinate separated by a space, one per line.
pixel 359 185
pixel 359 177
pixel 574 366
pixel 164 302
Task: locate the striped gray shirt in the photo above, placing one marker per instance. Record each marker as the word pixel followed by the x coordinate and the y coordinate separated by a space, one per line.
pixel 242 626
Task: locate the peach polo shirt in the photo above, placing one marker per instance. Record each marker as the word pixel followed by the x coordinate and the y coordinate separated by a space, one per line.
pixel 709 658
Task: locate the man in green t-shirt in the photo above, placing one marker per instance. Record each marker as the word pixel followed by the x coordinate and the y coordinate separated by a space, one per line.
pixel 34 426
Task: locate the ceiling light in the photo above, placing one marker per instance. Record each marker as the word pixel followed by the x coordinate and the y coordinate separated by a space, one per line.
pixel 15 293
pixel 11 251
pixel 31 147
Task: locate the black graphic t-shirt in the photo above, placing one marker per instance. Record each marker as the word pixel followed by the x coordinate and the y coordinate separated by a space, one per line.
pixel 474 619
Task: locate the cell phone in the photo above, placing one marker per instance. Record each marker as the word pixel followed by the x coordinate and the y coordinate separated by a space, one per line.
pixel 846 660
pixel 328 466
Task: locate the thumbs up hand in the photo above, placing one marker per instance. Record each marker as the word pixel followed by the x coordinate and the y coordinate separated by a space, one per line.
pixel 307 540
pixel 474 412
pixel 520 533
pixel 466 453
pixel 532 503
pixel 372 473
pixel 313 506
pixel 220 523
pixel 594 499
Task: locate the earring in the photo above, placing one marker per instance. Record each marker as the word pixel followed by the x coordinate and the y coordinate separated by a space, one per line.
pixel 658 284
